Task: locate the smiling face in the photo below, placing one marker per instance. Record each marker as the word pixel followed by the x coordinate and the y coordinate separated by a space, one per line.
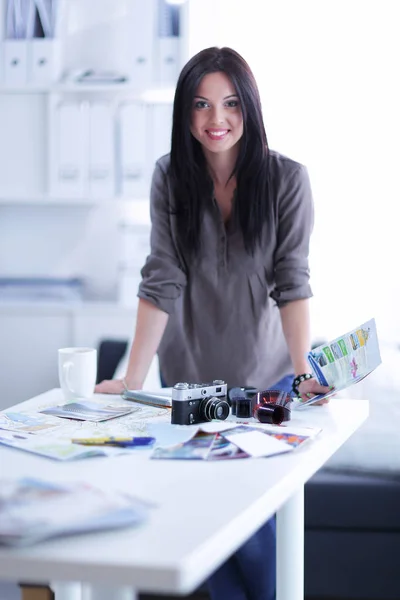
pixel 216 119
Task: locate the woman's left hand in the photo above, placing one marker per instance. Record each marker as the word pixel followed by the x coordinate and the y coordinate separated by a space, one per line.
pixel 310 388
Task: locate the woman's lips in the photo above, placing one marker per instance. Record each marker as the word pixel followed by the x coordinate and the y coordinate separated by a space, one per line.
pixel 217 134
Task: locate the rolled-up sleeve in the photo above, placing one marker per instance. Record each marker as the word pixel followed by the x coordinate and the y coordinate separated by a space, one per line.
pixel 162 276
pixel 295 219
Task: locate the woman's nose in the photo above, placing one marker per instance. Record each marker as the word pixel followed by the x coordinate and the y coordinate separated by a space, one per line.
pixel 218 115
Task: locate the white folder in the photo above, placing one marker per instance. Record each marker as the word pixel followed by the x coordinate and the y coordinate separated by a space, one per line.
pixel 167 43
pixel 3 19
pixel 101 171
pixel 142 61
pixel 168 60
pixel 44 64
pixel 15 58
pixel 132 159
pixel 68 177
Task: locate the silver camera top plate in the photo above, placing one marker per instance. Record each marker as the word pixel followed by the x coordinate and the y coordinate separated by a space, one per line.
pixel 195 391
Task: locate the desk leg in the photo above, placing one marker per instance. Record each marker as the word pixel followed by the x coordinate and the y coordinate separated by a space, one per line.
pixel 64 590
pixel 290 548
pixel 107 592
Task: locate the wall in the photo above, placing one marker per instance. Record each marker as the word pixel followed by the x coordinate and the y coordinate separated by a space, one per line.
pixel 327 73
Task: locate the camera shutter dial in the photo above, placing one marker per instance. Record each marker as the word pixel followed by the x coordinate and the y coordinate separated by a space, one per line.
pixel 181 386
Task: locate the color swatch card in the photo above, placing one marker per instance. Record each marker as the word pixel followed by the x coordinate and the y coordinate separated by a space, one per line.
pixel 345 360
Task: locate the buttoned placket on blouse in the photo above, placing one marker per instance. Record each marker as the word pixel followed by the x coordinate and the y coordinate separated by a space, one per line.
pixel 222 238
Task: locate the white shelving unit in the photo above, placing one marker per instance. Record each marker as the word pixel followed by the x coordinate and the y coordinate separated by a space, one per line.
pixel 152 95
pixel 43 234
pixel 123 203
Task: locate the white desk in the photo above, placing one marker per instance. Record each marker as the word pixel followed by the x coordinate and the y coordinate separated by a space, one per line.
pixel 205 512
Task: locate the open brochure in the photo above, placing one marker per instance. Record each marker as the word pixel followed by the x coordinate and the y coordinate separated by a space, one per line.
pixel 88 411
pixel 32 510
pixel 57 449
pixel 25 423
pixel 217 441
pixel 345 360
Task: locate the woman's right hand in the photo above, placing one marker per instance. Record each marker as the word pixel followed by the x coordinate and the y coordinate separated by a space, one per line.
pixel 110 386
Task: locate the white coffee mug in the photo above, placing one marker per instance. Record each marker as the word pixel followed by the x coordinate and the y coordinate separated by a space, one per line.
pixel 77 371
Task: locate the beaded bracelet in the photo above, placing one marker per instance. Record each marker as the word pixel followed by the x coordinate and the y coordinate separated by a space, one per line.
pixel 298 380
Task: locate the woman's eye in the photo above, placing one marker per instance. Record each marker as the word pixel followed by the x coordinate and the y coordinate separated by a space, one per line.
pixel 201 104
pixel 232 103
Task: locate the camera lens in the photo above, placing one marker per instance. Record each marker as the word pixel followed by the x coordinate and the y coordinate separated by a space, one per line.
pixel 214 408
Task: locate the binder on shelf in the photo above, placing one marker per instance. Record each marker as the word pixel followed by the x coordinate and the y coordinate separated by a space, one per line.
pixel 30 54
pixel 132 159
pixel 44 65
pixel 18 14
pixel 101 170
pixel 69 144
pixel 15 59
pixel 2 20
pixel 35 24
pixel 44 60
pixel 167 60
pixel 144 19
pixel 44 13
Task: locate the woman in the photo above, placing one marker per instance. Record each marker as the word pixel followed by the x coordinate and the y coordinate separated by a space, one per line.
pixel 225 290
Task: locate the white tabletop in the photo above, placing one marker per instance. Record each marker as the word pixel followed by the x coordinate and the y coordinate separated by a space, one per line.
pixel 204 510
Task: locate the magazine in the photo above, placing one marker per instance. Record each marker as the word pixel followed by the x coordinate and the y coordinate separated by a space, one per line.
pixel 88 411
pixel 202 446
pixel 229 441
pixel 197 448
pixel 32 510
pixel 345 360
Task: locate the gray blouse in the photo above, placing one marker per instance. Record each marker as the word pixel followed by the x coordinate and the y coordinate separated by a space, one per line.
pixel 224 320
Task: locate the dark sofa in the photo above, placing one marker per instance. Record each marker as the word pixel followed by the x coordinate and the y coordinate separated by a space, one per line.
pixel 352 536
pixel 352 525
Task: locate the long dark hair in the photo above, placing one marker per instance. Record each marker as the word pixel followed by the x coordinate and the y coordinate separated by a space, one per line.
pixel 191 182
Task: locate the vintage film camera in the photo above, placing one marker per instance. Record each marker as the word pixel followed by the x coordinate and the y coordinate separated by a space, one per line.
pixel 199 402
